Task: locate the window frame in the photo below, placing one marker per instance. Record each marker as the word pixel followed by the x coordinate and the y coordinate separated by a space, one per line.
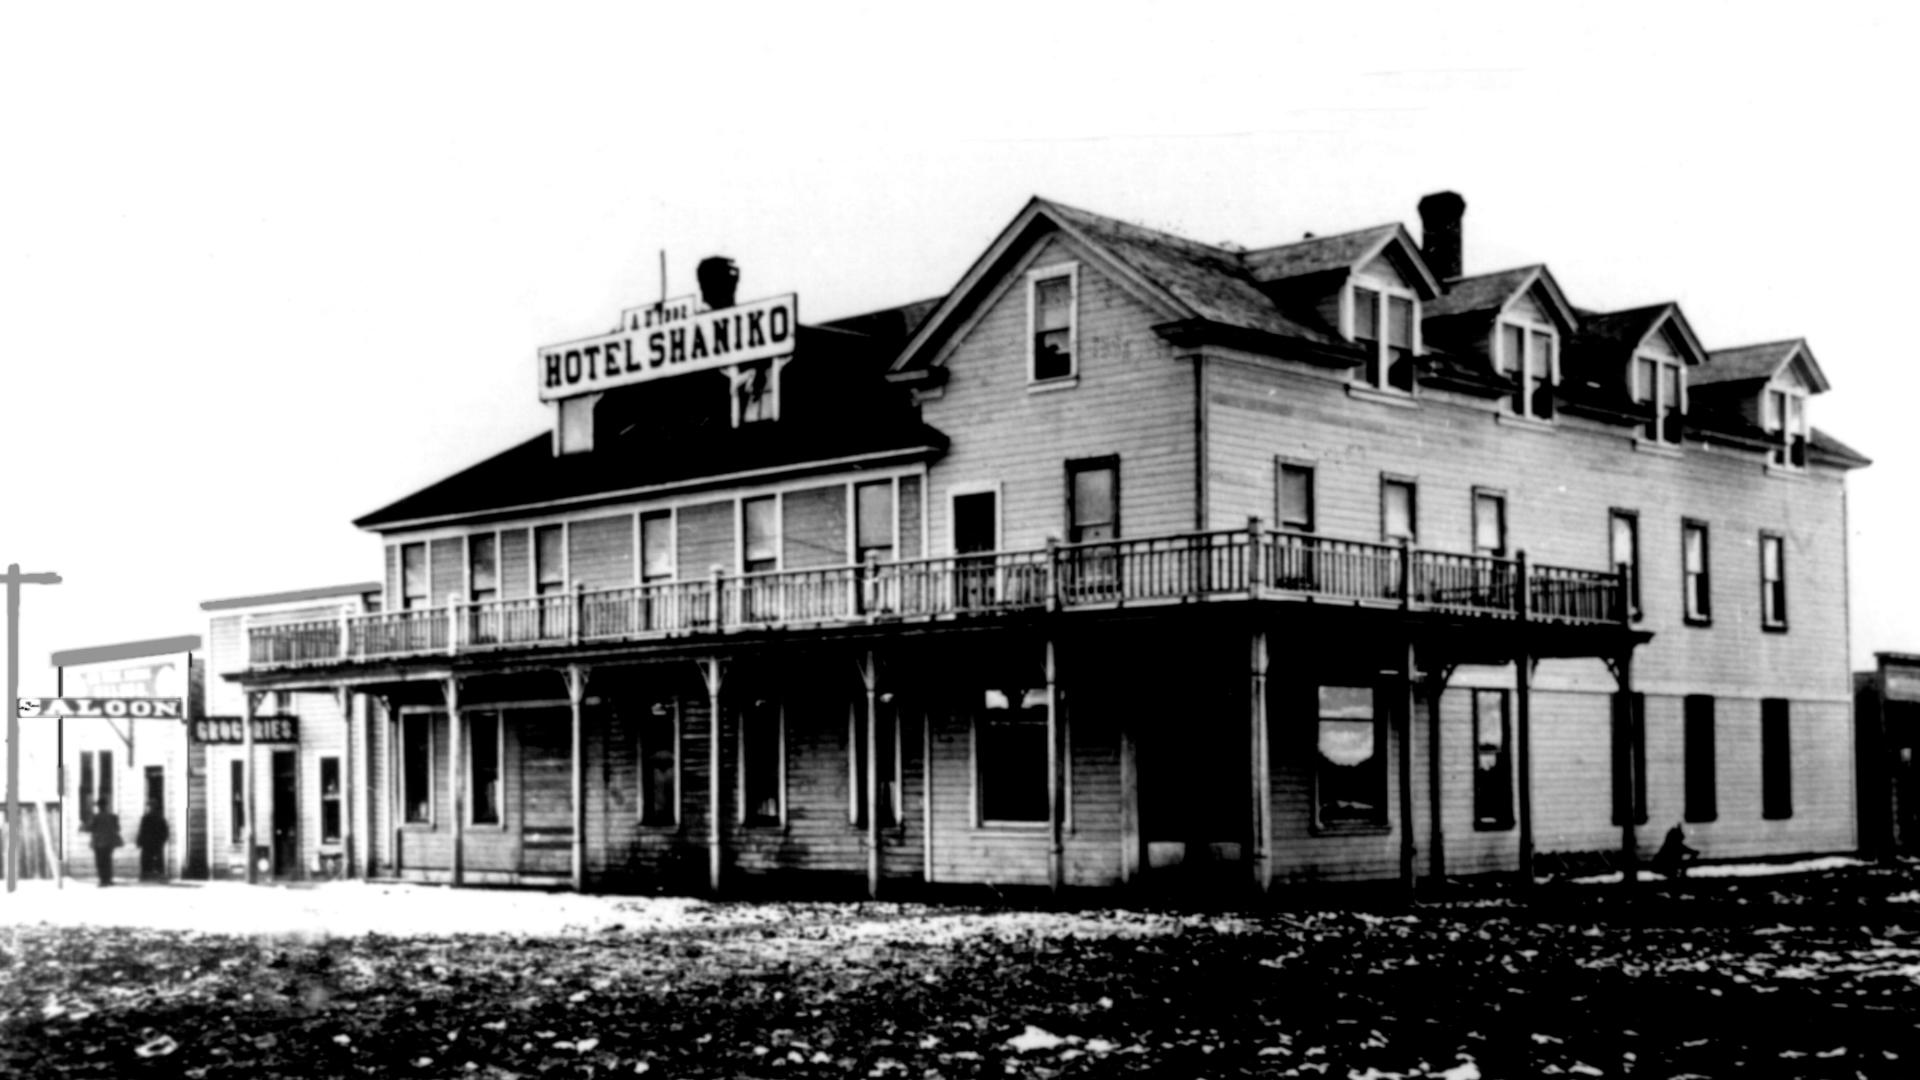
pixel 1388 480
pixel 409 600
pixel 857 552
pixel 334 802
pixel 237 802
pixel 96 783
pixel 474 590
pixel 427 818
pixel 1501 817
pixel 1655 395
pixel 672 546
pixel 745 755
pixel 746 563
pixel 754 388
pixel 1381 359
pixel 1787 424
pixel 472 720
pixel 1632 519
pixel 1109 463
pixel 1036 277
pixel 1522 403
pixel 1498 498
pixel 982 718
pixel 894 772
pixel 537 571
pixel 959 491
pixel 1702 615
pixel 1773 591
pixel 1701 799
pixel 1776 759
pixel 1629 748
pixel 1380 819
pixel 1283 466
pixel 669 712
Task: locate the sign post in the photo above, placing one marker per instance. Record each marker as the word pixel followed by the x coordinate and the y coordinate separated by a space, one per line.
pixel 14 579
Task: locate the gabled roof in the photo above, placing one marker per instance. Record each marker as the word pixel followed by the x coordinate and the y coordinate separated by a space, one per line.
pixel 1344 253
pixel 1614 335
pixel 1834 452
pixel 1759 363
pixel 130 650
pixel 1491 293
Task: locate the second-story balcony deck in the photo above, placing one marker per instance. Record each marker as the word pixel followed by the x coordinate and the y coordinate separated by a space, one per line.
pixel 1251 564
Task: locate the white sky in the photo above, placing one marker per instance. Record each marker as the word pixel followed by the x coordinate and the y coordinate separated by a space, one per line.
pixel 263 271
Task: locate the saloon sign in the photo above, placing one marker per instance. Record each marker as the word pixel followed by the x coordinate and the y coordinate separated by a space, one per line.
pixel 114 707
pixel 669 339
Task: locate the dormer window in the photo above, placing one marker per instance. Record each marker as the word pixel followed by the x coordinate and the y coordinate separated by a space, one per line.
pixel 1658 386
pixel 755 397
pixel 1051 340
pixel 1529 354
pixel 1786 423
pixel 1385 323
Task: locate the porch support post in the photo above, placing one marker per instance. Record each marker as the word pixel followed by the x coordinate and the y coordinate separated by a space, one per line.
pixel 395 812
pixel 345 694
pixel 1056 765
pixel 1523 760
pixel 1129 802
pixel 869 675
pixel 249 697
pixel 576 694
pixel 713 673
pixel 1624 763
pixel 456 781
pixel 1262 779
pixel 1436 685
pixel 1407 697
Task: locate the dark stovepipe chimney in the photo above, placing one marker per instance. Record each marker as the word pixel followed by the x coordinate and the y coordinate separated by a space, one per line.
pixel 1440 215
pixel 718 279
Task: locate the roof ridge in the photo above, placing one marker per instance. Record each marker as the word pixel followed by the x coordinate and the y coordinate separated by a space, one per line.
pixel 1321 237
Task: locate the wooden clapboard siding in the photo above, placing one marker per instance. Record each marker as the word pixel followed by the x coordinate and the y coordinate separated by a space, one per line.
pixel 705 539
pixel 227 652
pixel 600 552
pixel 323 733
pixel 1300 851
pixel 911 541
pixel 1133 399
pixel 817 835
pixel 962 851
pixel 447 563
pixel 516 564
pixel 813 528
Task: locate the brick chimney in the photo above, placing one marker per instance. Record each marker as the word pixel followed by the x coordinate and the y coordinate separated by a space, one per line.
pixel 718 279
pixel 1440 215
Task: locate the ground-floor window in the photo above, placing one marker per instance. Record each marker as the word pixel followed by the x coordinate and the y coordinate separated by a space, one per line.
pixel 1701 798
pixel 483 766
pixel 330 819
pixel 416 768
pixel 761 763
pixel 96 784
pixel 660 764
pixel 1629 758
pixel 1492 761
pixel 888 744
pixel 237 802
pixel 1776 760
pixel 1010 757
pixel 1350 759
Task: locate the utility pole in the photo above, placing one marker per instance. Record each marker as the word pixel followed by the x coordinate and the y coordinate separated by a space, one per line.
pixel 14 579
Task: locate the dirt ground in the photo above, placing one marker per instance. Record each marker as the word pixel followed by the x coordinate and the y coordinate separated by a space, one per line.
pixel 1805 975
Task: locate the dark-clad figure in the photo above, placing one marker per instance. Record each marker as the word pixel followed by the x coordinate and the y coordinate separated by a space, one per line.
pixel 106 837
pixel 152 839
pixel 1674 854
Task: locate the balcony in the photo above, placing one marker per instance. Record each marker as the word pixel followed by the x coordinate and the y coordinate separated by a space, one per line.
pixel 1245 564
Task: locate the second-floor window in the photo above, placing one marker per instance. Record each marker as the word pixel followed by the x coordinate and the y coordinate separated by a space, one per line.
pixel 1294 500
pixel 873 521
pixel 549 560
pixel 1696 586
pixel 1623 546
pixel 1528 356
pixel 1051 307
pixel 413 576
pixel 656 547
pixel 1385 325
pixel 1773 581
pixel 1093 500
pixel 1489 523
pixel 483 567
pixel 1786 423
pixel 760 527
pixel 1658 386
pixel 1397 521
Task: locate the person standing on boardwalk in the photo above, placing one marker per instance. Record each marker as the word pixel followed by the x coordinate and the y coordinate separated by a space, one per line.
pixel 152 840
pixel 106 838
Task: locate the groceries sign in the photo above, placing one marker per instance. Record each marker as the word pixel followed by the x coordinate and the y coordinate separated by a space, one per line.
pixel 669 338
pixel 231 730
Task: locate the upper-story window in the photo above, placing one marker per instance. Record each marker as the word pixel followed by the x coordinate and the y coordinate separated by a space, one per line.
pixel 1623 548
pixel 1657 384
pixel 656 546
pixel 1397 521
pixel 1529 354
pixel 873 521
pixel 1773 581
pixel 756 392
pixel 1489 523
pixel 1093 500
pixel 1786 422
pixel 549 560
pixel 1052 338
pixel 1385 323
pixel 413 576
pixel 1294 498
pixel 1696 591
pixel 483 567
pixel 760 529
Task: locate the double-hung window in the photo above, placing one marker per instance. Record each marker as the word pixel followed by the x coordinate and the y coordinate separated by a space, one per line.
pixel 1010 757
pixel 1293 508
pixel 1397 511
pixel 1696 584
pixel 1350 758
pixel 1660 389
pixel 1386 325
pixel 1623 548
pixel 760 525
pixel 1489 523
pixel 330 815
pixel 660 764
pixel 656 547
pixel 762 764
pixel 413 576
pixel 550 560
pixel 236 802
pixel 1093 513
pixel 1529 355
pixel 1773 581
pixel 1492 761
pixel 1052 302
pixel 1785 419
pixel 873 522
pixel 483 567
pixel 887 760
pixel 416 768
pixel 483 767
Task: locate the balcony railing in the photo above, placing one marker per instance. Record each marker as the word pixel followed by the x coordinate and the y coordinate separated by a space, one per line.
pixel 1242 564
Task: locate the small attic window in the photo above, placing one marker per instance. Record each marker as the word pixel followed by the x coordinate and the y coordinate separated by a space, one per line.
pixel 756 391
pixel 1528 353
pixel 1052 305
pixel 1785 418
pixel 575 428
pixel 1385 322
pixel 1659 384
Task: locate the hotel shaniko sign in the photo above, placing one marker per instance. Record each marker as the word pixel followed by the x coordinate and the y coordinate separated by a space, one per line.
pixel 669 338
